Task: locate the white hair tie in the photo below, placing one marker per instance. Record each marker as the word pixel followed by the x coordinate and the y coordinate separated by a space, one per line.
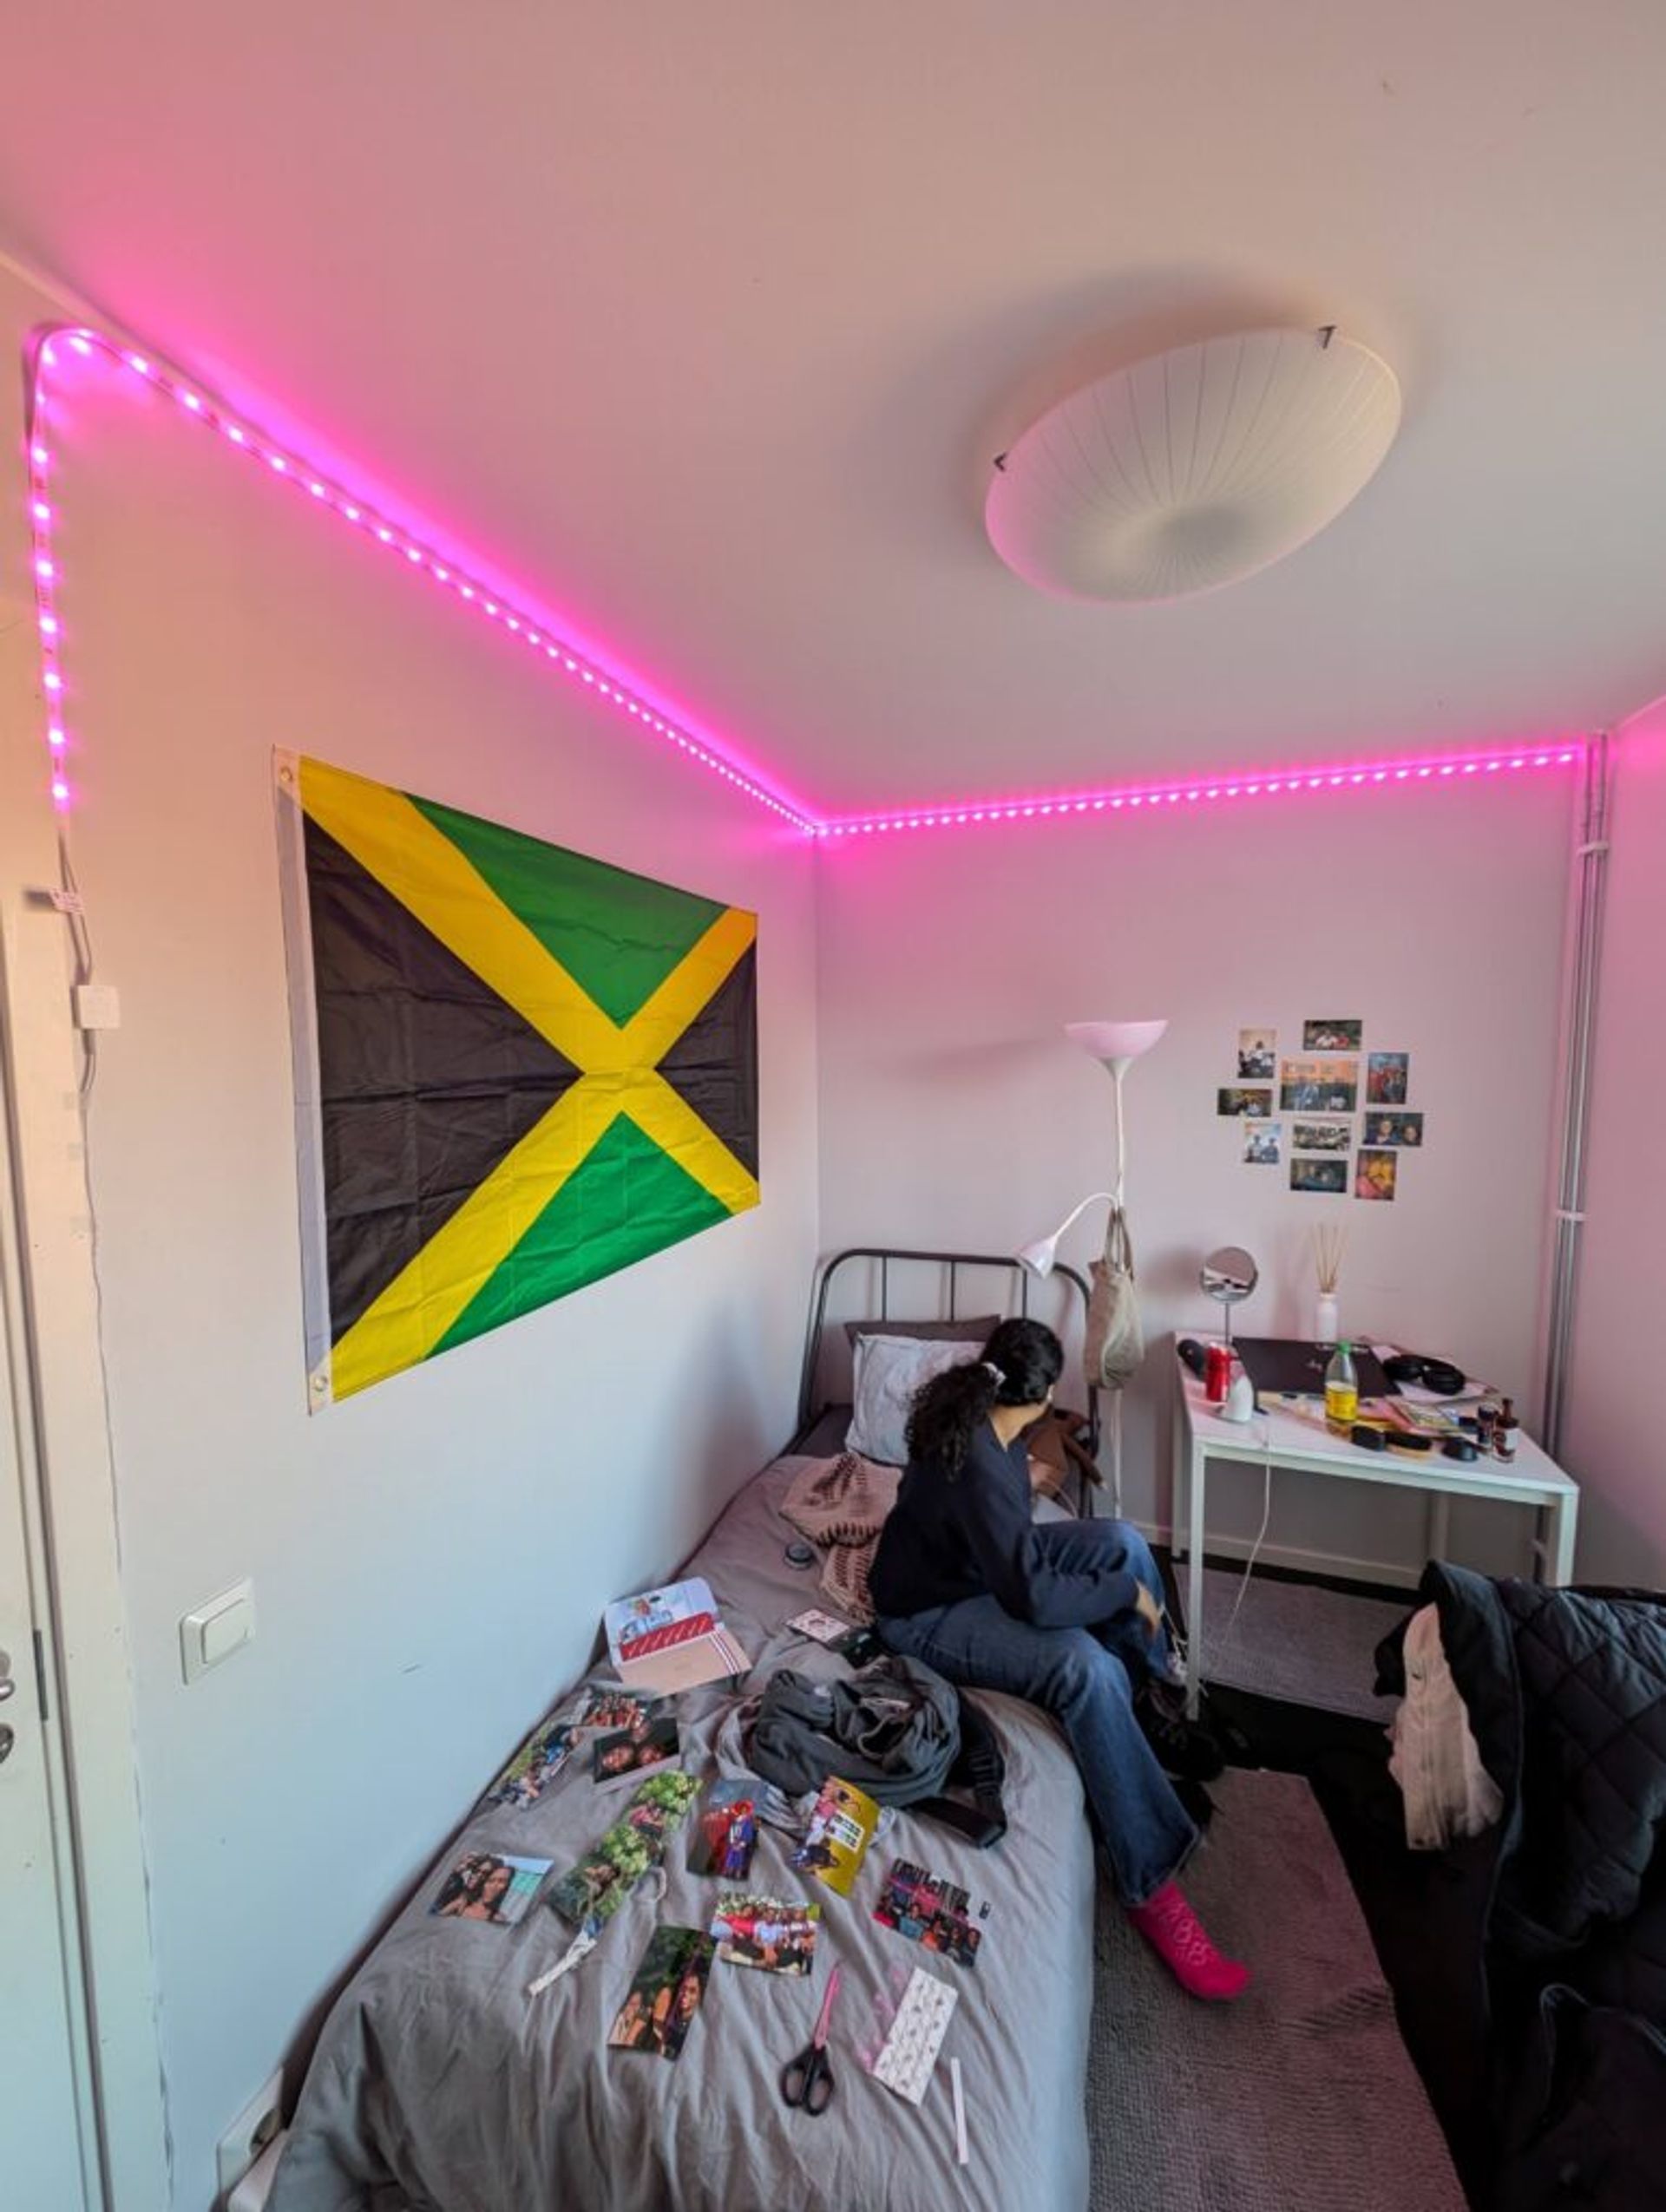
pixel 990 1368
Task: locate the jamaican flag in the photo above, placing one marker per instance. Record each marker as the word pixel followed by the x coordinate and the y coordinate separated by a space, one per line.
pixel 518 1070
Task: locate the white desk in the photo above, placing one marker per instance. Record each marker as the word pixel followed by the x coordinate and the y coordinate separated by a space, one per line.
pixel 1285 1439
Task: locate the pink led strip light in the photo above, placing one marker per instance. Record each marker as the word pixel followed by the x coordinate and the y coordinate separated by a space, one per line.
pixel 1204 789
pixel 286 467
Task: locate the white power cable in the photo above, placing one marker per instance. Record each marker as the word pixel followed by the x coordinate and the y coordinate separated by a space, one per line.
pixel 1261 1533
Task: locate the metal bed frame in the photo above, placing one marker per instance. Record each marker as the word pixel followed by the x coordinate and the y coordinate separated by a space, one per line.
pixel 810 1412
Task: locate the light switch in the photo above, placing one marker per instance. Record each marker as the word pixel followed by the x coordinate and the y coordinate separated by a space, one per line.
pixel 218 1629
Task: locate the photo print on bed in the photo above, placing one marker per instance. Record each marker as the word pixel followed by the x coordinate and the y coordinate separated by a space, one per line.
pixel 776 1934
pixel 665 1992
pixel 647 1742
pixel 495 1887
pixel 931 1910
pixel 541 1757
pixel 841 1826
pixel 726 1834
pixel 591 1892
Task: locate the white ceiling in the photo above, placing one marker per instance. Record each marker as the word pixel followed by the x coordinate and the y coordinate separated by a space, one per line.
pixel 704 322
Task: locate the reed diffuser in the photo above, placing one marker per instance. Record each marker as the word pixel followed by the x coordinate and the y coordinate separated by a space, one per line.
pixel 1329 1242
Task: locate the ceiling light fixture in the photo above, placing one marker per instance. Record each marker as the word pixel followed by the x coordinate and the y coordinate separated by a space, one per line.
pixel 1194 467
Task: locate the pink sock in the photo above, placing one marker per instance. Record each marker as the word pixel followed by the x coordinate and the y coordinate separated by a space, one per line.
pixel 1176 1935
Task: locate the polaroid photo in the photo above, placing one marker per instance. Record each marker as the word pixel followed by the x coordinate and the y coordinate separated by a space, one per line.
pixel 930 1910
pixel 1257 1104
pixel 776 1934
pixel 1257 1055
pixel 1262 1141
pixel 1332 1036
pixel 726 1834
pixel 492 1886
pixel 1403 1130
pixel 1386 1077
pixel 1325 1177
pixel 1323 1136
pixel 665 1993
pixel 1375 1175
pixel 634 1749
pixel 1318 1086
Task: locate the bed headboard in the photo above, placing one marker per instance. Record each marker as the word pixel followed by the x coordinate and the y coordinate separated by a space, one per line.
pixel 877 1283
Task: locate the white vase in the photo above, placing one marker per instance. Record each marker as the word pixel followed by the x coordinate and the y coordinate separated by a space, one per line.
pixel 1327 1322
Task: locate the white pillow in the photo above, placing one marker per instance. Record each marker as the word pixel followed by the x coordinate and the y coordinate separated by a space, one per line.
pixel 888 1371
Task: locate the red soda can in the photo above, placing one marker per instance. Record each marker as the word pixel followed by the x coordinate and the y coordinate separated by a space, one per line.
pixel 1217 1372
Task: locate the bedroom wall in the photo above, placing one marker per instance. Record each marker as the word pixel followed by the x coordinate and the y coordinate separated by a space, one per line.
pixel 430 1559
pixel 1612 1431
pixel 954 1111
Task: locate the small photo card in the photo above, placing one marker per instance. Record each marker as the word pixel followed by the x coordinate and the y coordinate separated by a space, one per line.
pixel 634 1749
pixel 1261 1142
pixel 1404 1129
pixel 1318 1086
pixel 776 1934
pixel 614 1708
pixel 932 1911
pixel 492 1886
pixel 1257 1055
pixel 665 1992
pixel 1325 1176
pixel 820 1627
pixel 1386 1077
pixel 1238 1099
pixel 1323 1136
pixel 726 1834
pixel 1374 1176
pixel 1332 1036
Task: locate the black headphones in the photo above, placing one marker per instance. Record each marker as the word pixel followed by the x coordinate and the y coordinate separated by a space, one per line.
pixel 1425 1372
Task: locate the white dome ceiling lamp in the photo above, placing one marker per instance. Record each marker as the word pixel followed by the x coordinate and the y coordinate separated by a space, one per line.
pixel 1193 468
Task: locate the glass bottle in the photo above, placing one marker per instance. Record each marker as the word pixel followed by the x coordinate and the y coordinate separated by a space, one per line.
pixel 1342 1392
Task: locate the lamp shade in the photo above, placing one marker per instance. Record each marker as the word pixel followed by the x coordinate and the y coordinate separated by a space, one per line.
pixel 1193 468
pixel 1115 1041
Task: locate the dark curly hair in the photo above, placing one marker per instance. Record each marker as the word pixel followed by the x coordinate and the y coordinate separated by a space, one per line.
pixel 947 1410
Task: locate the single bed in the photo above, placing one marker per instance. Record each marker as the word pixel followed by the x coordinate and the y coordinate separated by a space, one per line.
pixel 439 2085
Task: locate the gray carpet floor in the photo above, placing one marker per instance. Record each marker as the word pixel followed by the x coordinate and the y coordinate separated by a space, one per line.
pixel 1294 1640
pixel 1299 2098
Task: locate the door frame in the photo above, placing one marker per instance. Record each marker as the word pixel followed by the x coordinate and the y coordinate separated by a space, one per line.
pixel 52 1388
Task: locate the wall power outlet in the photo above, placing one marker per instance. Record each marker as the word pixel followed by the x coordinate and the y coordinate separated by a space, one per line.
pixel 249 2134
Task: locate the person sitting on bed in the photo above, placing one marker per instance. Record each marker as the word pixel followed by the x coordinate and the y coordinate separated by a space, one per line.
pixel 1067 1615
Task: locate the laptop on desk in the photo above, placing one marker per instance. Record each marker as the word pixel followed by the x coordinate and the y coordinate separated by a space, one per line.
pixel 1289 1364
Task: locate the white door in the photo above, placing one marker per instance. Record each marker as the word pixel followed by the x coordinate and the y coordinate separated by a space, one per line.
pixel 41 2009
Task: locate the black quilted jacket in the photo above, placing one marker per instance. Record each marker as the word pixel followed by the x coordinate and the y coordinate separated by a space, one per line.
pixel 1566 1695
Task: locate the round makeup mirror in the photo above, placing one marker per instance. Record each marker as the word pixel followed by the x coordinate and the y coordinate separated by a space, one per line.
pixel 1229 1275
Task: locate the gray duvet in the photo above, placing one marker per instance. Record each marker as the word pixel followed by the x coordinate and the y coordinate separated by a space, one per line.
pixel 440 2085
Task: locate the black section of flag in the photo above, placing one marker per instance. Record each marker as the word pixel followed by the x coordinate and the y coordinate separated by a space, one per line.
pixel 427 1079
pixel 713 1065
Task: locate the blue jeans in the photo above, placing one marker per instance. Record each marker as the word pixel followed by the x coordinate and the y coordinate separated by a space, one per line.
pixel 1084 1678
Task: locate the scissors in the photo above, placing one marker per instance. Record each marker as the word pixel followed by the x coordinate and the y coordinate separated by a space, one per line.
pixel 807 2080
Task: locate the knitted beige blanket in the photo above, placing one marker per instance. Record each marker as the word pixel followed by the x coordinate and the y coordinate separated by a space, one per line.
pixel 840 1505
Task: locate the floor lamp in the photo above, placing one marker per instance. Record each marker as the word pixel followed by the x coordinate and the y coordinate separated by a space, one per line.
pixel 1116 1046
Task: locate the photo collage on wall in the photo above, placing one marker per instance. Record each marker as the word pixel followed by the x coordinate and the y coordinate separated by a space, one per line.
pixel 1313 1111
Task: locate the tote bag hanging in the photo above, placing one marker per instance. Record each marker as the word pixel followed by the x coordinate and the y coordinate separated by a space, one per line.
pixel 1115 1341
